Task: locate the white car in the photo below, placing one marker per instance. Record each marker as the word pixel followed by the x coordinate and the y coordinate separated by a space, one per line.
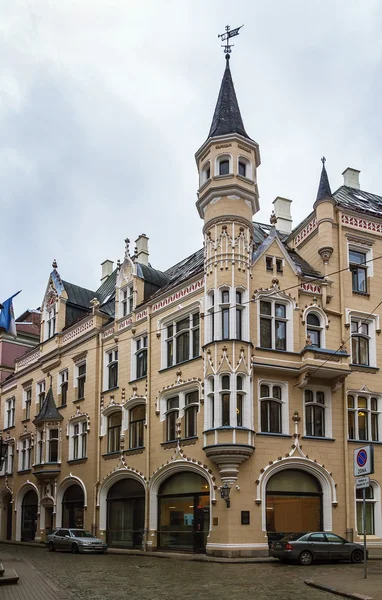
pixel 75 541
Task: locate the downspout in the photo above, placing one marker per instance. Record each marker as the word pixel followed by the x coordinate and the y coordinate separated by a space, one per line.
pixel 98 425
pixel 148 432
pixel 344 398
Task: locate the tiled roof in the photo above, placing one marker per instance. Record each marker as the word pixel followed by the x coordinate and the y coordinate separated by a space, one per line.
pixel 48 410
pixel 227 118
pixel 358 200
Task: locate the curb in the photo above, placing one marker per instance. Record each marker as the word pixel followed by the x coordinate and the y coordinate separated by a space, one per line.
pixel 336 591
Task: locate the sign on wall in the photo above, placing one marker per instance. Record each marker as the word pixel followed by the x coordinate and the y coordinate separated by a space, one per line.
pixel 364 461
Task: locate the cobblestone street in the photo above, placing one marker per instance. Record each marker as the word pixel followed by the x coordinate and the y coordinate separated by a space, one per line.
pixel 121 576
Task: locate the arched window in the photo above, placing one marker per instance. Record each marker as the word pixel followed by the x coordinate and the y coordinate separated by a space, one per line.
pixel 239 401
pixel 314 329
pixel 315 413
pixel 136 426
pixel 225 400
pixel 244 167
pixel 271 400
pixel 206 173
pixel 223 165
pixel 370 511
pixel 114 423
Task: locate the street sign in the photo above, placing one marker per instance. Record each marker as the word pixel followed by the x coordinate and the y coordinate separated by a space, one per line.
pixel 364 461
pixel 362 482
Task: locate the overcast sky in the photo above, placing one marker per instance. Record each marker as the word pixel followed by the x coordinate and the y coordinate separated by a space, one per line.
pixel 103 104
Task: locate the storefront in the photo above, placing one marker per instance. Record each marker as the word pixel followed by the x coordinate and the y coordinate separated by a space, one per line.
pixel 29 516
pixel 294 502
pixel 184 512
pixel 126 514
pixel 73 507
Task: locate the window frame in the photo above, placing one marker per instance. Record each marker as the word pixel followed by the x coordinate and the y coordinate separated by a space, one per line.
pixel 63 386
pixel 50 443
pixel 183 407
pixel 10 412
pixel 137 427
pixel 170 346
pixel 114 433
pixel 40 393
pixel 27 401
pixel 355 267
pixel 222 158
pixel 274 319
pixel 78 431
pixel 140 355
pixel 126 295
pixel 283 401
pixel 315 330
pixel 80 380
pixel 353 422
pixel 25 451
pixel 111 369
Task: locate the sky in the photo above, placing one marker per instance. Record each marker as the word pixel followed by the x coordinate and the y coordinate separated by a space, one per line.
pixel 103 104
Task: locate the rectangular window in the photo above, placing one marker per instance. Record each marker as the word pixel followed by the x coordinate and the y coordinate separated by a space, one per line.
pixel 64 375
pixel 40 394
pixel 141 356
pixel 10 412
pixel 191 413
pixel 269 263
pixel 242 168
pixel 25 451
pixel 28 403
pixel 182 341
pixel 273 325
pixel 363 417
pixel 81 380
pixel 225 410
pixel 360 341
pixel 136 426
pixel 114 432
pixel 53 446
pixel 51 322
pixel 80 433
pixel 279 265
pixel 172 415
pixel 358 268
pixel 112 369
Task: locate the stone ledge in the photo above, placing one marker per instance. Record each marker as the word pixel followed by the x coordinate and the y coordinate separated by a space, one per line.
pixel 336 591
pixel 9 577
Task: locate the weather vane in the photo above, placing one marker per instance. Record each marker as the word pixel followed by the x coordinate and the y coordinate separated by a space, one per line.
pixel 229 33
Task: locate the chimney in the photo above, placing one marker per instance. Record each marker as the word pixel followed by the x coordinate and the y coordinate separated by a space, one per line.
pixel 351 178
pixel 142 249
pixel 283 214
pixel 107 269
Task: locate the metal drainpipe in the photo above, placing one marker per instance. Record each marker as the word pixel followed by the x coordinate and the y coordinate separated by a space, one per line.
pixel 98 425
pixel 343 336
pixel 147 441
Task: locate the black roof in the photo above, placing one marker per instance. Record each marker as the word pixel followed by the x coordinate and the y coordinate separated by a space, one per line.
pixel 48 410
pixel 227 118
pixel 78 295
pixel 324 190
pixel 358 200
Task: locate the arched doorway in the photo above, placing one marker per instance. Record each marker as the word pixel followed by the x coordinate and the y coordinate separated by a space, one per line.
pixel 126 514
pixel 73 507
pixel 6 517
pixel 29 516
pixel 184 512
pixel 293 502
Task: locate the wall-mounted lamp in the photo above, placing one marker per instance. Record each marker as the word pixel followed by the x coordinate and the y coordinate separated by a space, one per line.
pixel 225 492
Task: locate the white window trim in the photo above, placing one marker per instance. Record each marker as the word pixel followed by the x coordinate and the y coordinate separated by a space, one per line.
pixel 106 413
pixel 73 422
pixel 217 312
pixel 203 173
pixel 373 322
pixel 377 511
pixel 216 395
pixel 365 249
pixel 324 322
pixel 181 392
pixel 284 405
pixel 249 167
pixel 368 395
pixel 327 406
pixel 134 352
pixel 129 289
pixel 8 404
pixel 277 299
pixel 173 318
pixel 222 157
pixel 20 452
pixel 39 389
pixel 106 363
pixel 75 379
pixel 7 465
pixel 130 405
pixel 47 444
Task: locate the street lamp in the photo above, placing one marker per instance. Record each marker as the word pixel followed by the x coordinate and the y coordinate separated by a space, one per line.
pixel 3 451
pixel 224 493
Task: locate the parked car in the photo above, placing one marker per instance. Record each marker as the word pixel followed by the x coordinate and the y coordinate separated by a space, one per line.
pixel 318 545
pixel 74 540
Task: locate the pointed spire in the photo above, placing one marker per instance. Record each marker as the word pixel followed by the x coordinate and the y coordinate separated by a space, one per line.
pixel 324 190
pixel 227 118
pixel 48 411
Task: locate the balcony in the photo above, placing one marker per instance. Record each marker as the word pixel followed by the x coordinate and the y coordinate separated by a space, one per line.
pixel 228 447
pixel 44 472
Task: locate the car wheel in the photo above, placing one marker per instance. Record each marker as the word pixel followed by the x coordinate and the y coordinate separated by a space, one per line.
pixel 51 547
pixel 75 549
pixel 305 558
pixel 357 556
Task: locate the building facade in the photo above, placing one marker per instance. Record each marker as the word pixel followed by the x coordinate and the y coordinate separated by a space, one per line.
pixel 250 365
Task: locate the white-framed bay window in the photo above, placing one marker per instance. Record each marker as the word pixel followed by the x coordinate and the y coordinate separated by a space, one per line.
pixel 227 314
pixel 227 401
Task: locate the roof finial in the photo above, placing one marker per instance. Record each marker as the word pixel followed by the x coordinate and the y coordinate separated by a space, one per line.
pixel 323 160
pixel 273 219
pixel 54 264
pixel 127 245
pixel 324 190
pixel 229 33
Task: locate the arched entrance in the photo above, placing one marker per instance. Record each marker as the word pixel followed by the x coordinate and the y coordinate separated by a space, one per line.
pixel 6 516
pixel 73 507
pixel 126 514
pixel 293 502
pixel 29 509
pixel 184 512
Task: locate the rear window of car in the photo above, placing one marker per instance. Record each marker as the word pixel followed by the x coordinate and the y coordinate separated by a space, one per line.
pixel 291 537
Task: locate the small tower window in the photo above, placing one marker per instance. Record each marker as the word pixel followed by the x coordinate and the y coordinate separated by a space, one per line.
pixel 224 167
pixel 242 168
pixel 208 172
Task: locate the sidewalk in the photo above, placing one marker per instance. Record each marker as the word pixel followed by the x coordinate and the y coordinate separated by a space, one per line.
pixel 32 584
pixel 352 584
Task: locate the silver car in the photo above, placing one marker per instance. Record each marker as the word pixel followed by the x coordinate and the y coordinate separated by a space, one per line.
pixel 74 540
pixel 317 545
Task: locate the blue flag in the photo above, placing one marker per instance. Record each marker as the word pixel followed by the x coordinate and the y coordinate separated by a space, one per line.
pixel 7 316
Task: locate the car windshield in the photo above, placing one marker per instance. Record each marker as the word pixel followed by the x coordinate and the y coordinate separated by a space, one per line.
pixel 81 533
pixel 293 536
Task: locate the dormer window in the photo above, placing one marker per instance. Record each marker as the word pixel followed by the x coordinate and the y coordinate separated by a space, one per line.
pixel 206 173
pixel 51 322
pixel 224 167
pixel 127 301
